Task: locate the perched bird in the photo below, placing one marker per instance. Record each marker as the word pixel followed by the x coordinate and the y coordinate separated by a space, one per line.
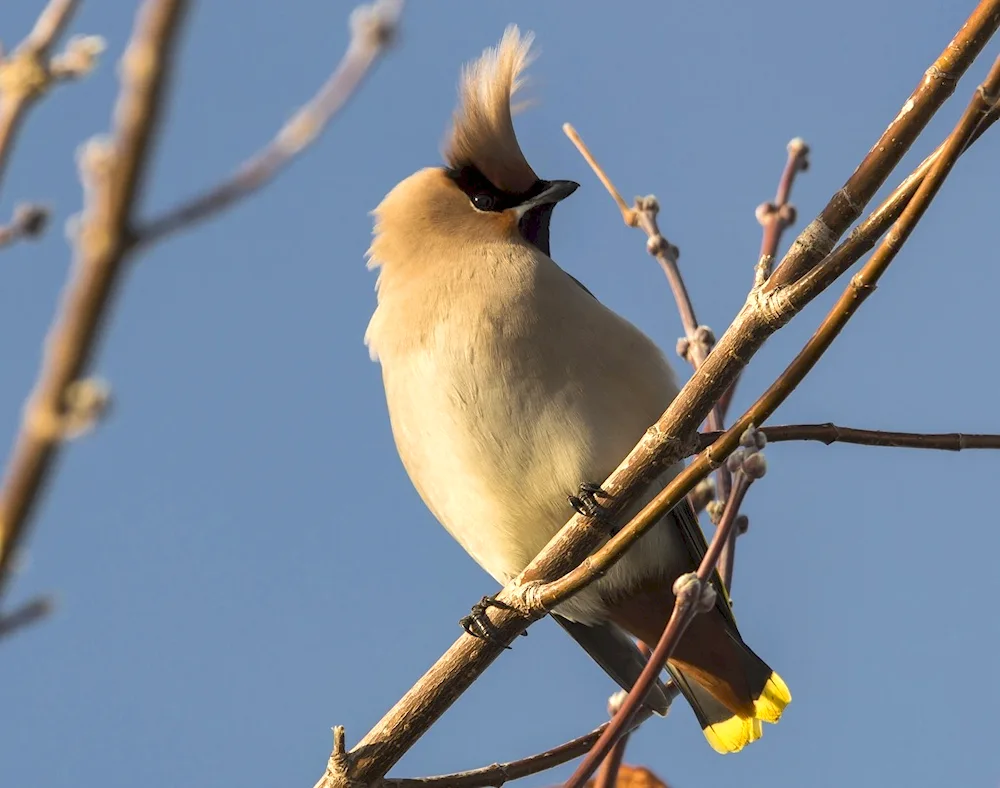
pixel 508 385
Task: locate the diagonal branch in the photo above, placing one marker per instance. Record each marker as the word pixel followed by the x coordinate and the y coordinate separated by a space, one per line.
pixel 689 599
pixel 938 84
pixel 861 286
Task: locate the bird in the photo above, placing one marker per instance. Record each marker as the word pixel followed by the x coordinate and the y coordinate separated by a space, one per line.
pixel 509 385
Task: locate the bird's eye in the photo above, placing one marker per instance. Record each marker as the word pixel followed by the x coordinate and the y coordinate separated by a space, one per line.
pixel 484 202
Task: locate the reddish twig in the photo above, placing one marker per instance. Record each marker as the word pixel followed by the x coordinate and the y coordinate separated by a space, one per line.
pixel 499 773
pixel 829 433
pixel 774 217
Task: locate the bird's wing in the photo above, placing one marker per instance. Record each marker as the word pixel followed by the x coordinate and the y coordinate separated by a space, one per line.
pixel 694 538
pixel 618 655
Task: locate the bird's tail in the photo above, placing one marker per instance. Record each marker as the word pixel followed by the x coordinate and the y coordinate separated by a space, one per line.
pixel 730 688
pixel 728 729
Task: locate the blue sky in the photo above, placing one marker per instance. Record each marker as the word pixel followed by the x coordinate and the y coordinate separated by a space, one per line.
pixel 239 559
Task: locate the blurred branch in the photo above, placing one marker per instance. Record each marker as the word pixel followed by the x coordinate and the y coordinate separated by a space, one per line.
pixel 27 614
pixel 831 433
pixel 29 221
pixel 528 596
pixel 28 72
pixel 113 172
pixel 61 405
pixel 373 29
pixel 500 773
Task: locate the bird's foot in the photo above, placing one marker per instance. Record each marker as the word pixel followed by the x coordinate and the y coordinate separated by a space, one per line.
pixel 587 502
pixel 478 623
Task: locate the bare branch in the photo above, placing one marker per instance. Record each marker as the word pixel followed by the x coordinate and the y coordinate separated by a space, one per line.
pixel 113 173
pixel 860 287
pixel 831 433
pixel 775 217
pixel 373 29
pixel 938 84
pixel 29 613
pixel 27 73
pixel 29 221
pixel 500 773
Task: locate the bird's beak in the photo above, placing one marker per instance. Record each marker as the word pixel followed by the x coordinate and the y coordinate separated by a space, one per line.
pixel 554 192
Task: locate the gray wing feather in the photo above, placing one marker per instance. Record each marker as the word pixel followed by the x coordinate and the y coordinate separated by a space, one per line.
pixel 618 655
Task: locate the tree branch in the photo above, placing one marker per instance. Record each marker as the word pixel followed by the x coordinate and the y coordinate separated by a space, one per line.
pixel 28 72
pixel 113 173
pixel 831 433
pixel 373 29
pixel 938 84
pixel 499 773
pixel 61 406
pixel 860 287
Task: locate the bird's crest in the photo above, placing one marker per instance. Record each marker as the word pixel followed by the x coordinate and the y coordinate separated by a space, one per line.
pixel 482 134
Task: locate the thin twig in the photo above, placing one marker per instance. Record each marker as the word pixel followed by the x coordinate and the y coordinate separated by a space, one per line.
pixel 774 217
pixel 663 444
pixel 373 29
pixel 113 174
pixel 829 433
pixel 499 773
pixel 29 613
pixel 28 72
pixel 29 221
pixel 698 339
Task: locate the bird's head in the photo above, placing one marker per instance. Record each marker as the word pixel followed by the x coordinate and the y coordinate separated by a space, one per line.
pixel 487 192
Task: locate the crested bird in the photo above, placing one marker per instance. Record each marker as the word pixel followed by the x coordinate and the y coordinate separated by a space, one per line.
pixel 509 385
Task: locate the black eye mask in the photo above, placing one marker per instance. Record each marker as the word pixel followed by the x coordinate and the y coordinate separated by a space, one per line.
pixel 484 196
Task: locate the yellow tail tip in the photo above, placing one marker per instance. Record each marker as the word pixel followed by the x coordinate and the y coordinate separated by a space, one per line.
pixel 735 733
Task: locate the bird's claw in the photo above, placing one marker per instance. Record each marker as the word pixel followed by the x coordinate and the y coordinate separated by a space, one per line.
pixel 587 501
pixel 478 624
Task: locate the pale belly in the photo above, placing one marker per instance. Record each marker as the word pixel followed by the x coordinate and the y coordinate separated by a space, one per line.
pixel 495 451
